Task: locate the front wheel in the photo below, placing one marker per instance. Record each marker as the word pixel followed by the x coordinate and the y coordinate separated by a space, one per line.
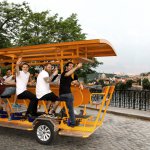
pixel 44 132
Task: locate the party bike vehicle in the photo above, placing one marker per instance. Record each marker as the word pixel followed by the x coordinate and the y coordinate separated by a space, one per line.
pixel 44 126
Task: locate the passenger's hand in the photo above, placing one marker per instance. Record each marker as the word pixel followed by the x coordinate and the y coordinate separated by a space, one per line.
pixel 55 72
pixel 81 86
pixel 13 76
pixel 30 83
pixel 79 65
pixel 19 61
pixel 33 82
pixel 73 83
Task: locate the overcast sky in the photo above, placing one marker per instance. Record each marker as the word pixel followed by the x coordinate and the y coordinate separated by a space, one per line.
pixel 124 23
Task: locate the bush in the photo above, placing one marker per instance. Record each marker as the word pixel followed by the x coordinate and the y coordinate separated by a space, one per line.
pixel 129 84
pixel 146 84
pixel 121 86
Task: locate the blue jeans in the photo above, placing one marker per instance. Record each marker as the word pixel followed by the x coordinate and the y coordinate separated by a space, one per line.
pixel 9 91
pixel 68 98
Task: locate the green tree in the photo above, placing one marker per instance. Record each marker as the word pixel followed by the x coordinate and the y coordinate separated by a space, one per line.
pixel 121 86
pixel 37 28
pixel 40 28
pixel 11 16
pixel 4 41
pixel 129 84
pixel 69 29
pixel 20 26
pixel 146 84
pixel 124 86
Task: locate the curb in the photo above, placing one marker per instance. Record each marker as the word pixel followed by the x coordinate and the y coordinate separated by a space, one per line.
pixel 122 114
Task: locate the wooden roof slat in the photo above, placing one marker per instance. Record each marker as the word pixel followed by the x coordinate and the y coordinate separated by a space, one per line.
pixel 71 50
pixel 54 45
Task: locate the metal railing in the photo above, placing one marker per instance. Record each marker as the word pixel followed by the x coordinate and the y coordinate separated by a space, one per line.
pixel 132 99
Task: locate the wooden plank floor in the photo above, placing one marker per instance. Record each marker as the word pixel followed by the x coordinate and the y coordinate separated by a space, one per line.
pixel 17 124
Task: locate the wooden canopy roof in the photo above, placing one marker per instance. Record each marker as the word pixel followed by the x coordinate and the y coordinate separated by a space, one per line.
pixel 55 52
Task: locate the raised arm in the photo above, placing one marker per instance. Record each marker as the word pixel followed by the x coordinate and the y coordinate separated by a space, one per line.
pixel 17 65
pixel 49 79
pixel 73 70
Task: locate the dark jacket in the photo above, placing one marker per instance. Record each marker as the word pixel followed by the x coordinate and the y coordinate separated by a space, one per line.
pixel 2 86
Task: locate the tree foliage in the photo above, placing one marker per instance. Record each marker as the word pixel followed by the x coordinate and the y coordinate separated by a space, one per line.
pixel 69 29
pixel 129 83
pixel 11 16
pixel 20 26
pixel 124 86
pixel 146 84
pixel 121 86
pixel 40 28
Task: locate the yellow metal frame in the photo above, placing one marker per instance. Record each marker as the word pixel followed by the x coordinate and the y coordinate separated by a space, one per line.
pixel 87 125
pixel 90 125
pixel 60 53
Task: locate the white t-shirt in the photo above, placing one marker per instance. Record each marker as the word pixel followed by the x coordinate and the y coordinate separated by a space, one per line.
pixel 42 87
pixel 21 82
pixel 8 78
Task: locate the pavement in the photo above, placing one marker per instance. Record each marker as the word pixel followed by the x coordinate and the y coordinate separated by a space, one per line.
pixel 116 133
pixel 121 130
pixel 133 113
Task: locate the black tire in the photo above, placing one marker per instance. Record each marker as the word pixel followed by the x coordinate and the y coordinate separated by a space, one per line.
pixel 44 132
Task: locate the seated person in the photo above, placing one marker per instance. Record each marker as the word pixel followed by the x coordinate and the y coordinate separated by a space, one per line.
pixel 65 88
pixel 22 80
pixel 1 108
pixel 6 91
pixel 10 79
pixel 43 91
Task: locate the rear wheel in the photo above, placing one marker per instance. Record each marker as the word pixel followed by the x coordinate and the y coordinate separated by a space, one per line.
pixel 44 132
